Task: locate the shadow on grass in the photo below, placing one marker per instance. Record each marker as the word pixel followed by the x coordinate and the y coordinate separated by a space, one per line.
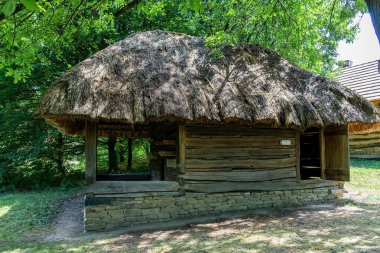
pixel 332 227
pixel 25 217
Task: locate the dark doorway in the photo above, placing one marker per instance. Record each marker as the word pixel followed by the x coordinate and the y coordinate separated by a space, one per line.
pixel 310 164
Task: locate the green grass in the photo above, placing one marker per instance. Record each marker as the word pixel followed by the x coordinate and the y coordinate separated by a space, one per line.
pixel 351 227
pixel 365 178
pixel 25 216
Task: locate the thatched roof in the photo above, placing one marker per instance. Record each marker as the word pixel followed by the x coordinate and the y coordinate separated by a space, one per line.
pixel 163 76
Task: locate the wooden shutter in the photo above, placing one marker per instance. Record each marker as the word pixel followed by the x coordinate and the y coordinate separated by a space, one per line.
pixel 337 156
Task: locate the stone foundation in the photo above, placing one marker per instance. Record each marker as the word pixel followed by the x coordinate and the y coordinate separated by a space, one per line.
pixel 111 212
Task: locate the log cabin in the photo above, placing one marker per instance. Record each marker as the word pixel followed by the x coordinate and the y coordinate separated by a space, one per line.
pixel 244 131
pixel 365 80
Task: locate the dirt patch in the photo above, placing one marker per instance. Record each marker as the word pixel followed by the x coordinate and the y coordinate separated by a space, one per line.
pixel 69 223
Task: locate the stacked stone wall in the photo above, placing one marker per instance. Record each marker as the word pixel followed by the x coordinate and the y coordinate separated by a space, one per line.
pixel 111 212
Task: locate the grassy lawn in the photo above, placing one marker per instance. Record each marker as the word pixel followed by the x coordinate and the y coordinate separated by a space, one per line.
pixel 25 216
pixel 365 179
pixel 348 226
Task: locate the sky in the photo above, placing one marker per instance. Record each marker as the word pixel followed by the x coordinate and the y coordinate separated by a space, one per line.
pixel 365 47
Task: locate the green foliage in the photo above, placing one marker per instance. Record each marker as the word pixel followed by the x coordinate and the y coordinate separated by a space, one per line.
pixel 9 7
pixel 31 5
pixel 140 156
pixel 307 32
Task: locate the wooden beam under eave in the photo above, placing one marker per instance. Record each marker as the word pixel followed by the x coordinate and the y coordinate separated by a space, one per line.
pixel 90 152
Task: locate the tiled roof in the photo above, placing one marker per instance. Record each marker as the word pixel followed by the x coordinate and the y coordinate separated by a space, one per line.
pixel 363 78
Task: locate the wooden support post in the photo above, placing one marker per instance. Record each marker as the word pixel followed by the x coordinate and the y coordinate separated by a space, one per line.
pixel 322 152
pixel 90 152
pixel 298 155
pixel 348 156
pixel 181 155
pixel 181 160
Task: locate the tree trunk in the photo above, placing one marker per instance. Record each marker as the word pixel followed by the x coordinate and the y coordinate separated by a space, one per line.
pixel 112 157
pixel 374 11
pixel 60 154
pixel 121 152
pixel 129 167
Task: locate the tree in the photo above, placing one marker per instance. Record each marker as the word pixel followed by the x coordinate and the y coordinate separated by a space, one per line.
pixel 306 32
pixel 374 11
pixel 130 153
pixel 112 155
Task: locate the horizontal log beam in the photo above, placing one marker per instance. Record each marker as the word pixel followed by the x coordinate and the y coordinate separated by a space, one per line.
pixel 237 152
pixel 237 131
pixel 275 185
pixel 115 187
pixel 243 163
pixel 241 176
pixel 354 137
pixel 167 153
pixel 137 194
pixel 166 143
pixel 248 142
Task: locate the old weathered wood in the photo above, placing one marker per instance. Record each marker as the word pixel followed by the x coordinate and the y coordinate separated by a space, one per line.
pixel 336 130
pixel 365 145
pixel 322 152
pixel 116 187
pixel 166 142
pixel 90 152
pixel 196 131
pixel 209 169
pixel 281 184
pixel 368 156
pixel 337 154
pixel 375 142
pixel 298 156
pixel 181 156
pixel 242 163
pixel 365 136
pixel 136 194
pixel 181 149
pixel 167 153
pixel 241 176
pixel 234 156
pixel 238 142
pixel 237 152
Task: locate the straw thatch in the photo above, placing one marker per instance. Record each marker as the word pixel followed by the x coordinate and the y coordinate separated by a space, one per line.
pixel 157 76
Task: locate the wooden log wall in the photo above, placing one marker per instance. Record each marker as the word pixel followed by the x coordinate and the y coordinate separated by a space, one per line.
pixel 224 159
pixel 365 145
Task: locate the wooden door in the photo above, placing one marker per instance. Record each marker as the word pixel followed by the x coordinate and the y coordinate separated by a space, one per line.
pixel 337 156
